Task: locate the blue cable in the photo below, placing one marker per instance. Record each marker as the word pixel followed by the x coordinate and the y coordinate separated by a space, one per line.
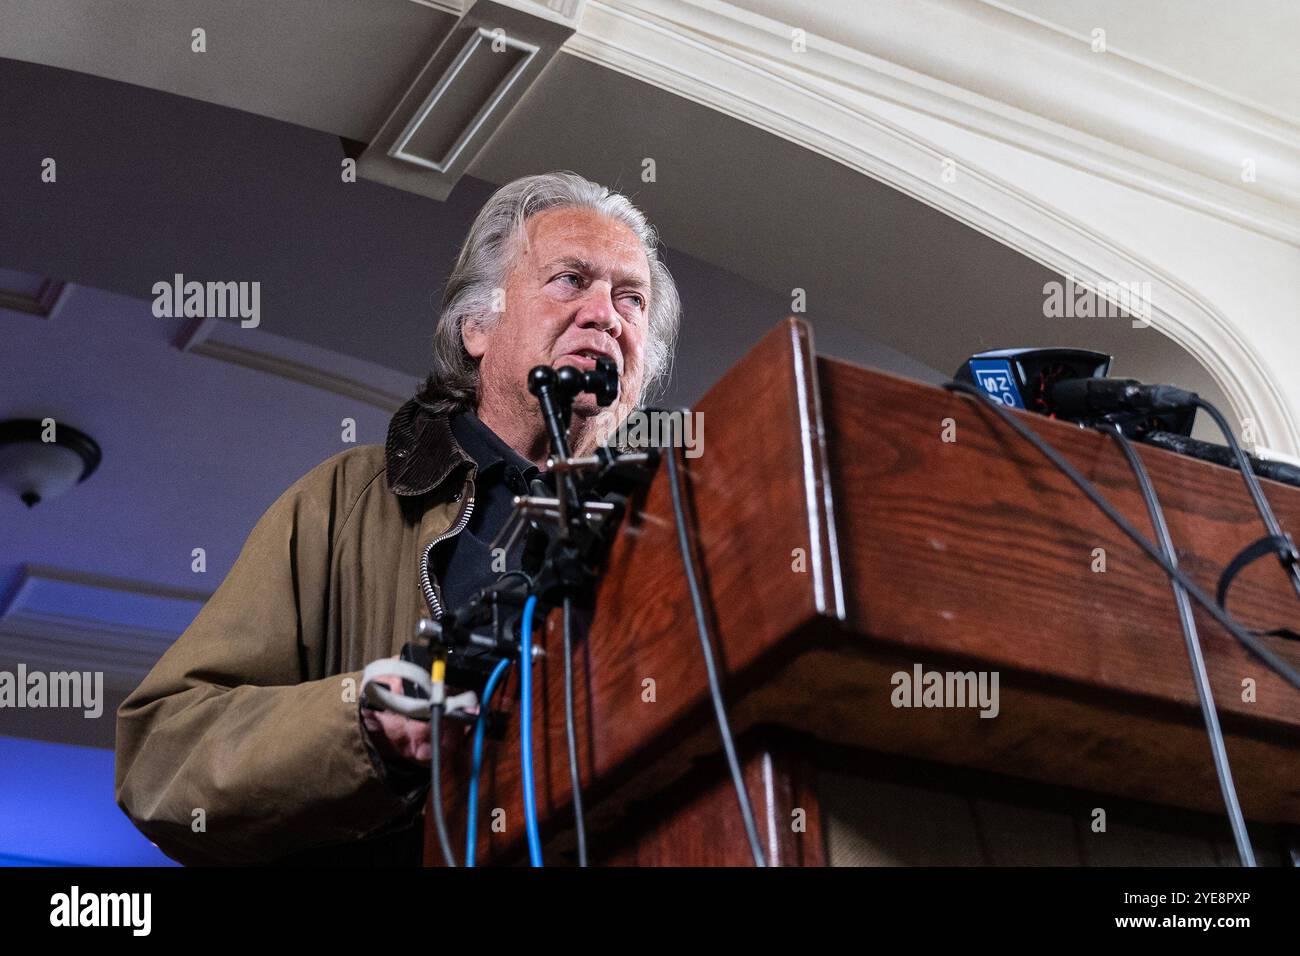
pixel 526 730
pixel 480 729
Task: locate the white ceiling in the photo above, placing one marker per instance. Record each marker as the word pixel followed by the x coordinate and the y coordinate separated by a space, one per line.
pixel 1246 49
pixel 332 65
pixel 873 263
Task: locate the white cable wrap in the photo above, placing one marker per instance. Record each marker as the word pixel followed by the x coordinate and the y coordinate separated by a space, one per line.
pixel 468 700
pixel 378 696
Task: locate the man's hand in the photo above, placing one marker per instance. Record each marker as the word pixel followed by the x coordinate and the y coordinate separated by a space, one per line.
pixel 396 736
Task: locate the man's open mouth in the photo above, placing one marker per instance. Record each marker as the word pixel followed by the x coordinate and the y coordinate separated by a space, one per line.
pixel 584 360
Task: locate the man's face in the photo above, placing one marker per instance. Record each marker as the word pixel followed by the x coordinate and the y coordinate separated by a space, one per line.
pixel 580 284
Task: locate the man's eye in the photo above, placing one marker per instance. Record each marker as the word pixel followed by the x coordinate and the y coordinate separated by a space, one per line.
pixel 638 300
pixel 577 279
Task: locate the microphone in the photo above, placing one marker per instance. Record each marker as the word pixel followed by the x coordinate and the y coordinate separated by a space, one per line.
pixel 1089 397
pixel 1020 378
pixel 556 389
pixel 1071 384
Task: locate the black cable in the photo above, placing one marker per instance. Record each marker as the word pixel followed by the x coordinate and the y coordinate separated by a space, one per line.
pixel 1272 469
pixel 1205 695
pixel 439 819
pixel 715 689
pixel 1251 642
pixel 1252 485
pixel 518 574
pixel 571 732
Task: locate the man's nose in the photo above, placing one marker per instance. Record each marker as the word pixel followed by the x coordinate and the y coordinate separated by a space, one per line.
pixel 597 310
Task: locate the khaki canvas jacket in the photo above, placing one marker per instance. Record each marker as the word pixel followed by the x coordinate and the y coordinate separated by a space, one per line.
pixel 244 744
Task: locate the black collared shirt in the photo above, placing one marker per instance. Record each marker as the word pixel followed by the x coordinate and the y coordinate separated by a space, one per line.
pixel 467 564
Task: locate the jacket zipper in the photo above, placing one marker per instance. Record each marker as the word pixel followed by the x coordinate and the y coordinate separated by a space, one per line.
pixel 426 582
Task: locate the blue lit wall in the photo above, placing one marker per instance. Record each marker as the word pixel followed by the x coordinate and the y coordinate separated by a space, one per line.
pixel 56 808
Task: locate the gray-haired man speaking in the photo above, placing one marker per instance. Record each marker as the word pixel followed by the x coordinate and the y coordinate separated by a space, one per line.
pixel 246 743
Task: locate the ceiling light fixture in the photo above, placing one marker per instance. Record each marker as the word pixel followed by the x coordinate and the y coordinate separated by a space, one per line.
pixel 41 459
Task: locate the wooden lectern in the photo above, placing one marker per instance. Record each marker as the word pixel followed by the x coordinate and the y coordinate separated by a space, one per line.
pixel 841 540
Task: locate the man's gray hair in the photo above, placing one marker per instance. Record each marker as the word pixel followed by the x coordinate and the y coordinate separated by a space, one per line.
pixel 484 265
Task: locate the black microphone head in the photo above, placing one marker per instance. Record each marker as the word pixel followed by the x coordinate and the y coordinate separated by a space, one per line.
pixel 539 377
pixel 570 380
pixel 1135 408
pixel 602 381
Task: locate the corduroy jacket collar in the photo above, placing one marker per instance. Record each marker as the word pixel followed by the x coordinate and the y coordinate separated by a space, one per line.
pixel 421 451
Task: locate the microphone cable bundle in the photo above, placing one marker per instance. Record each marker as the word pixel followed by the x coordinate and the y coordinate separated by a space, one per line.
pixel 1108 404
pixel 1204 693
pixel 1249 640
pixel 1098 402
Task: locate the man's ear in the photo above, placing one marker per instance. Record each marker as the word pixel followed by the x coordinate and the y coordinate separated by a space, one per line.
pixel 474 334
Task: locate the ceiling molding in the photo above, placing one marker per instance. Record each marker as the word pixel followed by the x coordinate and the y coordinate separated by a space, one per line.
pixel 480 71
pixel 707 57
pixel 568 12
pixel 330 65
pixel 44 303
pixel 59 620
pixel 297 361
pixel 1050 94
pixel 454 7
